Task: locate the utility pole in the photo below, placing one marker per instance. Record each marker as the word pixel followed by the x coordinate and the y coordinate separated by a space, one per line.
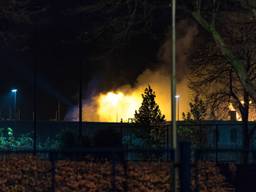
pixel 35 81
pixel 35 109
pixel 58 111
pixel 10 113
pixel 178 106
pixel 80 84
pixel 19 114
pixel 80 99
pixel 173 133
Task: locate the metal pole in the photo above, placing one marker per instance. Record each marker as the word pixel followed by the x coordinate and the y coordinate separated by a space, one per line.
pixel 35 91
pixel 173 78
pixel 19 114
pixel 80 86
pixel 216 143
pixel 173 94
pixel 80 101
pixel 113 182
pixel 185 167
pixel 15 106
pixel 15 110
pixel 53 171
pixel 10 113
pixel 35 109
pixel 178 107
pixel 58 113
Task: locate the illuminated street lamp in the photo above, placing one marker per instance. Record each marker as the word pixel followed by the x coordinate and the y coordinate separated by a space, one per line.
pixel 14 92
pixel 173 133
pixel 178 106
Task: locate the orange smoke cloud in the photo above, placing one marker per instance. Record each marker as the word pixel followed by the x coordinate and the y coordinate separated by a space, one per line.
pixel 121 104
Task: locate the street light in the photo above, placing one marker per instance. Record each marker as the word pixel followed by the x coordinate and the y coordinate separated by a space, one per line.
pixel 14 92
pixel 178 105
pixel 173 133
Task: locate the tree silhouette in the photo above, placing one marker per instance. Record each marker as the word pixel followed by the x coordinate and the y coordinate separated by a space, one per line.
pixel 197 110
pixel 149 119
pixel 197 113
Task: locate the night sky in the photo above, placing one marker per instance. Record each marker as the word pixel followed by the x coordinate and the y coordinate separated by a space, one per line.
pixel 58 35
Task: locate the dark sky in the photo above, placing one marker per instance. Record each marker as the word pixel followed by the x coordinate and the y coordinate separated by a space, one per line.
pixel 57 36
pixel 114 42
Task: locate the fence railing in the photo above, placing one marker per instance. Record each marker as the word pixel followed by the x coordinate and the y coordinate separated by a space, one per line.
pixel 225 154
pixel 108 169
pixel 113 169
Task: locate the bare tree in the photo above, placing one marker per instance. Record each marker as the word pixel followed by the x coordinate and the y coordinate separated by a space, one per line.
pixel 207 14
pixel 214 76
pixel 18 19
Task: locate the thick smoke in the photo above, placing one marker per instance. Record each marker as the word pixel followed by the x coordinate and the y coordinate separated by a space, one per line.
pixel 186 32
pixel 158 78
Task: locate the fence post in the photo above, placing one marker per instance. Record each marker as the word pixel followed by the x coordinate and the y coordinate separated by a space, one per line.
pixel 216 142
pixel 126 179
pixel 196 170
pixel 113 172
pixel 185 167
pixel 53 171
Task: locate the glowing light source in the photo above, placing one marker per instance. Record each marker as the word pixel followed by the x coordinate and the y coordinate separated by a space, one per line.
pixel 232 108
pixel 113 105
pixel 250 102
pixel 113 98
pixel 14 90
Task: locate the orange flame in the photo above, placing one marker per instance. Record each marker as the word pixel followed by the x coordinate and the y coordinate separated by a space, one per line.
pixel 232 108
pixel 121 104
pixel 117 106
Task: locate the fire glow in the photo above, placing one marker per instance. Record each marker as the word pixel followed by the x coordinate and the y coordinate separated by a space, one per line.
pixel 117 106
pixel 232 108
pixel 120 104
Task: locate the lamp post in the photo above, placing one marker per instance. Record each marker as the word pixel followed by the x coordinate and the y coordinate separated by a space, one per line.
pixel 173 133
pixel 14 92
pixel 178 106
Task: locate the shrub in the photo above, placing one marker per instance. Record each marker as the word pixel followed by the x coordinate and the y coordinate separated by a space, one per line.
pixel 69 139
pixel 9 142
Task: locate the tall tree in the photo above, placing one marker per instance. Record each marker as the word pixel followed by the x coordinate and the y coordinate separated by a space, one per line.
pixel 149 119
pixel 207 14
pixel 213 75
pixel 197 111
pixel 190 130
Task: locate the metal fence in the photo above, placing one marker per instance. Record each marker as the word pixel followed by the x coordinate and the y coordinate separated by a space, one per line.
pixel 85 170
pixel 222 138
pixel 109 169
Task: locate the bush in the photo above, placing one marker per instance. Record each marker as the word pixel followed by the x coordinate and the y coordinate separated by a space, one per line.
pixel 9 142
pixel 69 139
